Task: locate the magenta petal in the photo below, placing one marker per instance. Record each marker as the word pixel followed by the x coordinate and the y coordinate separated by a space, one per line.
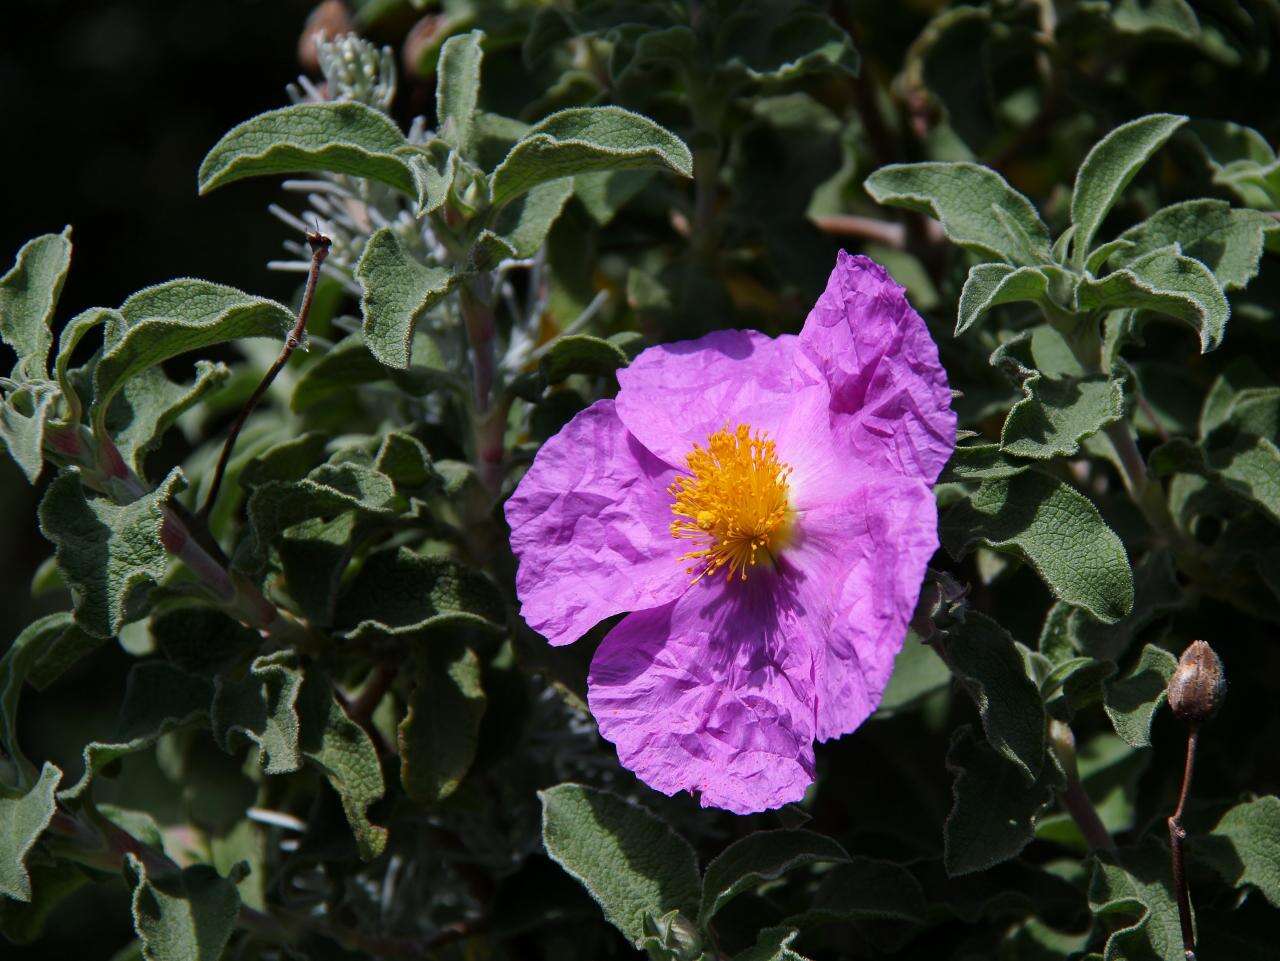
pixel 590 528
pixel 890 400
pixel 676 395
pixel 712 693
pixel 859 565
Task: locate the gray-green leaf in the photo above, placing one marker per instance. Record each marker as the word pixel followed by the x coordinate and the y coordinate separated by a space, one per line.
pixel 441 729
pixel 458 87
pixel 23 819
pixel 585 139
pixel 397 291
pixel 759 857
pixel 186 915
pixel 343 137
pixel 1245 846
pixel 262 706
pixel 28 295
pixel 1057 530
pixel 632 863
pixel 1227 240
pixel 962 197
pixel 1132 701
pixel 1107 169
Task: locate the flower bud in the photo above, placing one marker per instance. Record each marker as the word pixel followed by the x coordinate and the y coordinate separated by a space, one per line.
pixel 327 21
pixel 1198 685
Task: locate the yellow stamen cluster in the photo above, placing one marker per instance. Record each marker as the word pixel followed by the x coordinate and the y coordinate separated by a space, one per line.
pixel 734 500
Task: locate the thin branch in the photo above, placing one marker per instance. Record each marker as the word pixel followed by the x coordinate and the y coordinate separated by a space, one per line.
pixel 319 250
pixel 863 228
pixel 1178 835
pixel 1074 798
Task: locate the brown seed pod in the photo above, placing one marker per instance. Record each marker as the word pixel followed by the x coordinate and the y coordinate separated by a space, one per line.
pixel 1199 685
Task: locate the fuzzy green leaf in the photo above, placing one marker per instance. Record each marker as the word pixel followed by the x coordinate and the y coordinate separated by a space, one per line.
pixel 398 291
pixel 186 915
pixel 1132 894
pixel 51 883
pixel 314 555
pixel 28 295
pixel 23 415
pixel 984 658
pixel 992 285
pixel 777 42
pixel 1107 169
pixel 1245 846
pixel 585 139
pixel 399 595
pixel 158 698
pixel 522 226
pixel 441 729
pixel 962 197
pixel 581 354
pixel 760 857
pixel 202 640
pixel 63 653
pixel 176 317
pixel 772 944
pixel 340 748
pixel 350 363
pixel 865 889
pixel 22 820
pixel 458 87
pixel 150 403
pixel 262 706
pixel 1132 701
pixel 1227 240
pixel 1165 282
pixel 606 192
pixel 341 137
pixel 994 810
pixel 632 863
pixel 1057 530
pixel 15 666
pixel 110 554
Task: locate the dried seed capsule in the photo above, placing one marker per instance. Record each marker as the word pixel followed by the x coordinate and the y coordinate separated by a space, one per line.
pixel 1198 685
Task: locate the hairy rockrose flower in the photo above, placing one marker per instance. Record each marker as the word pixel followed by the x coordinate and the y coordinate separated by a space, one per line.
pixel 762 508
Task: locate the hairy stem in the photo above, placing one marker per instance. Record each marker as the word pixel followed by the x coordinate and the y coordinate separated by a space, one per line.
pixel 319 250
pixel 1075 800
pixel 1177 837
pixel 488 421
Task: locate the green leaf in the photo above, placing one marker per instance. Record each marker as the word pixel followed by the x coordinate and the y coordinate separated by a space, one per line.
pixel 992 285
pixel 150 403
pixel 580 354
pixel 314 555
pixel 16 664
pixel 1107 169
pixel 342 137
pixel 760 857
pixel 434 166
pixel 263 707
pixel 865 889
pixel 110 554
pixel 1245 846
pixel 1132 894
pixel 632 863
pixel 606 192
pixel 441 728
pixel 68 340
pixel 778 42
pixel 962 197
pixel 586 139
pixel 186 915
pixel 1057 530
pixel 1109 773
pixel 1226 240
pixel 522 226
pixel 64 652
pixel 22 820
pixel 341 749
pixel 158 698
pixel 1132 701
pixel 458 87
pixel 400 596
pixel 398 290
pixel 350 364
pixel 983 656
pixel 28 295
pixel 1241 160
pixel 23 415
pixel 983 462
pixel 1164 282
pixel 176 317
pixel 994 810
pixel 772 944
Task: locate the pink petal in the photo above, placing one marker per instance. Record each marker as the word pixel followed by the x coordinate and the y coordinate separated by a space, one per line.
pixel 674 396
pixel 711 693
pixel 590 528
pixel 859 565
pixel 889 395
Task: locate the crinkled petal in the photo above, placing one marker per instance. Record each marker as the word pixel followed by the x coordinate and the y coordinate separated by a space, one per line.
pixel 857 568
pixel 674 396
pixel 590 529
pixel 712 693
pixel 889 394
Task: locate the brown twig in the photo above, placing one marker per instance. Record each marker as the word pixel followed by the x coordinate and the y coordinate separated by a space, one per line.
pixel 865 228
pixel 319 250
pixel 1177 835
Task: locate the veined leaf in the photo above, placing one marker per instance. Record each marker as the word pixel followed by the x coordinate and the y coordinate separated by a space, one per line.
pixel 1227 240
pixel 23 818
pixel 441 729
pixel 28 295
pixel 186 915
pixel 398 290
pixel 458 87
pixel 760 857
pixel 1132 701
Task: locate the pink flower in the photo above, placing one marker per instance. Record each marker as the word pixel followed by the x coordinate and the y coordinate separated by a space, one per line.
pixel 763 509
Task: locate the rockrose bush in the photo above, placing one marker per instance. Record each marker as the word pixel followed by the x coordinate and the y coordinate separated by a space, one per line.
pixel 736 481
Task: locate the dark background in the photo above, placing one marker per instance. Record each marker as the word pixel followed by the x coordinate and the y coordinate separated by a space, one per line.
pixel 106 109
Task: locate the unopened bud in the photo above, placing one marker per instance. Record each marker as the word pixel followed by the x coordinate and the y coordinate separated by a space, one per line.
pixel 328 20
pixel 1198 685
